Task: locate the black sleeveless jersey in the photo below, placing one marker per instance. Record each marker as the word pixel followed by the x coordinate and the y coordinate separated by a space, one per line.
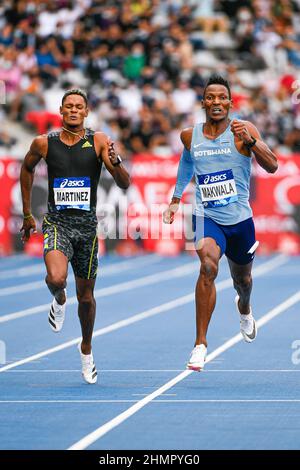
pixel 73 174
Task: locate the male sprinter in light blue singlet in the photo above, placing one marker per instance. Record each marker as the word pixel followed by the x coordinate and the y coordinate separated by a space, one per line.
pixel 218 154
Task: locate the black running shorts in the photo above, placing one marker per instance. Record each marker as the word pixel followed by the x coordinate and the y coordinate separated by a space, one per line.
pixel 76 237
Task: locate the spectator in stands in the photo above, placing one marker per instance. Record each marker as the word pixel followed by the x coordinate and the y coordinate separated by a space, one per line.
pixel 135 54
pixel 184 98
pixel 29 99
pixel 10 72
pixel 47 59
pixel 134 61
pixel 6 35
pixel 208 19
pixel 27 60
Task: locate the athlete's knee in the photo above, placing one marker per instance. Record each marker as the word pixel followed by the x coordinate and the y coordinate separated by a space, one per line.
pixel 86 298
pixel 243 281
pixel 209 268
pixel 56 280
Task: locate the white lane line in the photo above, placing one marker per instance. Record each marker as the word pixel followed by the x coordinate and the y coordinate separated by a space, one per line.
pixel 185 269
pixel 252 370
pixel 115 268
pixel 288 270
pixel 67 401
pixel 108 329
pixel 242 400
pixel 180 301
pixel 145 394
pixel 119 419
pixel 40 267
pixel 45 370
pixel 102 370
pixel 174 273
pixel 29 286
pixel 140 394
pixel 120 371
pixel 6 261
pixel 270 265
pixel 22 272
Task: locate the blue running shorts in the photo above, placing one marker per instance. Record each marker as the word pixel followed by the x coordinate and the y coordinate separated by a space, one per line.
pixel 236 241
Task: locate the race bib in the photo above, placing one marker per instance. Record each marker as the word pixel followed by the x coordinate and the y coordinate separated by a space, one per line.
pixel 217 189
pixel 72 193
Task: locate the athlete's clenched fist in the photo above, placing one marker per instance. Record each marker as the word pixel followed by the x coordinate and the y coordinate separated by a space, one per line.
pixel 239 129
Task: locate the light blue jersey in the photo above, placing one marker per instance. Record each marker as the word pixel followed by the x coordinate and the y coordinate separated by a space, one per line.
pixel 222 177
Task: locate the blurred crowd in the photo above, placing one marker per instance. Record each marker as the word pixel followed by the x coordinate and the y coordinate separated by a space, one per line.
pixel 144 64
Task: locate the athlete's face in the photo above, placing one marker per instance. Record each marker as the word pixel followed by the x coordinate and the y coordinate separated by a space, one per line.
pixel 216 102
pixel 74 110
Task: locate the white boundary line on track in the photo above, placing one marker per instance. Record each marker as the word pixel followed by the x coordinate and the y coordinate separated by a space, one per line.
pixel 115 268
pixel 39 268
pixel 173 273
pixel 179 301
pixel 119 419
pixel 272 400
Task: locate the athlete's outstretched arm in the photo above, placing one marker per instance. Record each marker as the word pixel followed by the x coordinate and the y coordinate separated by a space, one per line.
pixel 184 175
pixel 247 132
pixel 33 156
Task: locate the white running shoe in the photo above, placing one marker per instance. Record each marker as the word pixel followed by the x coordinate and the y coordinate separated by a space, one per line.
pixel 56 315
pixel 247 324
pixel 89 371
pixel 197 358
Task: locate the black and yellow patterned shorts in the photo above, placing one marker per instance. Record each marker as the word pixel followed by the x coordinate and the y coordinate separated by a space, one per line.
pixel 76 237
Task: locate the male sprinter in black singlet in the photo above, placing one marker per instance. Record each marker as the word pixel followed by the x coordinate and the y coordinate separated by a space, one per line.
pixel 74 158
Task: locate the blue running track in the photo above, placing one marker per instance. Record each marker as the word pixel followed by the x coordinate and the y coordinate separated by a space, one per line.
pixel 248 396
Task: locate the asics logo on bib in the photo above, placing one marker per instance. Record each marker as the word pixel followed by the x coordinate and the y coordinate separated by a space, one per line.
pixel 72 183
pixel 214 178
pixel 217 189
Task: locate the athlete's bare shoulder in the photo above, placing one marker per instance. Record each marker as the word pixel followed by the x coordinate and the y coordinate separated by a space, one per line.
pixel 186 137
pixel 39 145
pixel 38 150
pixel 100 141
pixel 100 136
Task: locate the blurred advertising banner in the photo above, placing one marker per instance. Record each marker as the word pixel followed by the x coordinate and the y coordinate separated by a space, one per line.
pixel 11 214
pixel 153 181
pixel 132 220
pixel 6 182
pixel 276 206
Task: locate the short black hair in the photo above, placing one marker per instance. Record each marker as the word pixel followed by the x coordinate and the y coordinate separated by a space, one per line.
pixel 75 91
pixel 217 80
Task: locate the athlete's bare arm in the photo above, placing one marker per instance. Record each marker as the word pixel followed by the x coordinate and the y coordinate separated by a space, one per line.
pixel 37 151
pixel 244 132
pixel 105 150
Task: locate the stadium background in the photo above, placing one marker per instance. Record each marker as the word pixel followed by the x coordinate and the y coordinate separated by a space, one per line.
pixel 143 64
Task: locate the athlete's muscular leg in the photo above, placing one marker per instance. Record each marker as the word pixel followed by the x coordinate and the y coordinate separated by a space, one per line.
pixel 57 271
pixel 209 255
pixel 86 311
pixel 242 281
